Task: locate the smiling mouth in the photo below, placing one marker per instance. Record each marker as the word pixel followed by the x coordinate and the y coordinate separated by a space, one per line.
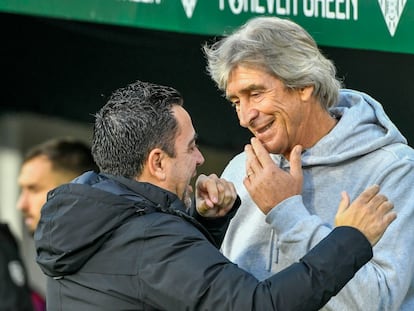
pixel 263 129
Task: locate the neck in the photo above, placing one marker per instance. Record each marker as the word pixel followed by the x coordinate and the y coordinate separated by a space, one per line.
pixel 322 125
pixel 314 129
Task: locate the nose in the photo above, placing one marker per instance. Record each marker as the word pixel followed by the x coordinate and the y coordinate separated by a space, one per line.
pixel 246 114
pixel 200 159
pixel 22 202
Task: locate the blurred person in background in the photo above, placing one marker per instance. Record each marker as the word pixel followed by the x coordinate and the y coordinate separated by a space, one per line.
pixel 46 166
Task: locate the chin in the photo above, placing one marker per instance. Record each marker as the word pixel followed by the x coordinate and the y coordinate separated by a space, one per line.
pixel 274 146
pixel 269 147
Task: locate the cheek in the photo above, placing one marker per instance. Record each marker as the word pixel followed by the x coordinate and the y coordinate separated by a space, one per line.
pixel 182 171
pixel 279 139
pixel 36 209
pixel 39 200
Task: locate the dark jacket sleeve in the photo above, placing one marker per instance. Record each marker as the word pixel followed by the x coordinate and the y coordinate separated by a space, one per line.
pixel 191 274
pixel 217 227
pixel 323 272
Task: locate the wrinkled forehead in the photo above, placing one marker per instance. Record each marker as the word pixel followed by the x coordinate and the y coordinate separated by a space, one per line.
pixel 248 78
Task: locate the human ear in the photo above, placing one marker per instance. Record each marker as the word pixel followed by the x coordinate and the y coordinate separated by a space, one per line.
pixel 156 163
pixel 306 92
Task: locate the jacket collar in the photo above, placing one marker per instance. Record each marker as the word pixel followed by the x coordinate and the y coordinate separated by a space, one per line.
pixel 160 197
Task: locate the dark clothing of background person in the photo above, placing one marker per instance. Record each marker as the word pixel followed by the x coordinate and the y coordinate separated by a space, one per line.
pixel 14 290
pixel 111 243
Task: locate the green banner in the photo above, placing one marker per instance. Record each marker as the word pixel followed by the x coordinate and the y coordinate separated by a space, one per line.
pixel 384 25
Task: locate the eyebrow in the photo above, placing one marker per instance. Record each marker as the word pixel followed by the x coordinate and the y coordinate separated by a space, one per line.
pixel 247 89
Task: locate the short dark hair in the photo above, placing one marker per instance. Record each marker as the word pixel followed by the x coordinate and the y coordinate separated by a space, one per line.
pixel 65 154
pixel 136 119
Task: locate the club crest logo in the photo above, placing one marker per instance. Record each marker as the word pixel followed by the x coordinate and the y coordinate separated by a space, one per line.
pixel 392 10
pixel 189 6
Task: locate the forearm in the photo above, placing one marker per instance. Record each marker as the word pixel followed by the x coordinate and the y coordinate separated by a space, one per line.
pixel 200 278
pixel 324 270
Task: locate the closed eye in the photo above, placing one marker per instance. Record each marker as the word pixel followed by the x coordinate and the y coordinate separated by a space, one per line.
pixel 235 104
pixel 193 143
pixel 256 95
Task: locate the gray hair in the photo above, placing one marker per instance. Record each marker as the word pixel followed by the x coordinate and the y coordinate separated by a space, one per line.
pixel 135 120
pixel 280 47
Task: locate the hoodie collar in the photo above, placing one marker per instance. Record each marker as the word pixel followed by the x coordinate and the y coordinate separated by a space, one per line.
pixel 363 127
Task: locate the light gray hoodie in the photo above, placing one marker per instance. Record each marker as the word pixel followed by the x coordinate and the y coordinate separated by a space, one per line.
pixel 363 149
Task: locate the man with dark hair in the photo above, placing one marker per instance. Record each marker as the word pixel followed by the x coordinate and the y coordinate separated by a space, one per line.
pixel 46 166
pixel 133 238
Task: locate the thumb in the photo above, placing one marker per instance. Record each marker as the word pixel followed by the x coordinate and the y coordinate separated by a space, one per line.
pixel 296 164
pixel 343 205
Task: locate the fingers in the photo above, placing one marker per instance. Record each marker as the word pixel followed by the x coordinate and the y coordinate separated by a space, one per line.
pixel 252 163
pixel 207 189
pixel 390 217
pixel 371 198
pixel 263 175
pixel 226 193
pixel 257 157
pixel 386 208
pixel 367 195
pixel 262 156
pixel 214 195
pixel 380 201
pixel 371 212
